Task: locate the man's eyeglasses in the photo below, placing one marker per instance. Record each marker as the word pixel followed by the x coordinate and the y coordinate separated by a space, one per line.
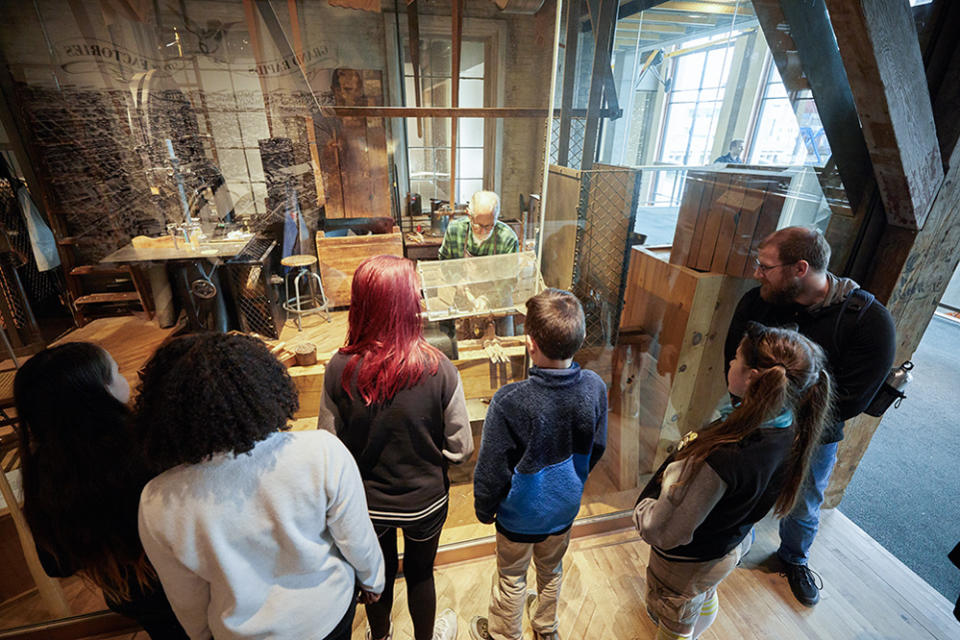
pixel 764 268
pixel 482 228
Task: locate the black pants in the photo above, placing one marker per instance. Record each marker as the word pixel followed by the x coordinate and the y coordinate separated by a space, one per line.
pixel 420 541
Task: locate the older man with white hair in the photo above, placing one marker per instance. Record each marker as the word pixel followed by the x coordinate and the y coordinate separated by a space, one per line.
pixel 481 233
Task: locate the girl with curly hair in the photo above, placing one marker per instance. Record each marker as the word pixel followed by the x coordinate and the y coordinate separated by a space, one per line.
pixel 82 476
pixel 255 532
pixel 699 508
pixel 398 405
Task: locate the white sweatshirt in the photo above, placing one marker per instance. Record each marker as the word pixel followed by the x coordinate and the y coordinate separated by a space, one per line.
pixel 265 544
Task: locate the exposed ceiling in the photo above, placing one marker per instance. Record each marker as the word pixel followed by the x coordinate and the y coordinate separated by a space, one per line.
pixel 677 21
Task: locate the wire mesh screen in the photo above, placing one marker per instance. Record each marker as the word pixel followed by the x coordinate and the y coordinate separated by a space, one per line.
pixel 578 127
pixel 257 307
pixel 607 214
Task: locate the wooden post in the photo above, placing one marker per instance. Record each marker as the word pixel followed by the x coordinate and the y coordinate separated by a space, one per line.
pixel 878 45
pixel 601 65
pixel 569 80
pixel 413 31
pixel 456 15
pixel 922 276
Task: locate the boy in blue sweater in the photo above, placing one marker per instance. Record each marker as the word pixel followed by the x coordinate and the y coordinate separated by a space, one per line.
pixel 541 438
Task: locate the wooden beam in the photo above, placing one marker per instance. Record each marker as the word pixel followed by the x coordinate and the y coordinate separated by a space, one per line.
pixel 796 36
pixel 413 31
pixel 456 17
pixel 705 7
pixel 569 80
pixel 609 84
pixel 604 19
pixel 459 112
pixel 878 45
pixel 942 59
pixel 920 275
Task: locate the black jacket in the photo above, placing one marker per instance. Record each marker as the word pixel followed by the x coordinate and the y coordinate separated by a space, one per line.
pixel 860 348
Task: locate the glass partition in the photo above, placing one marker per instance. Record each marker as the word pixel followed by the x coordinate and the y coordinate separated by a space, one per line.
pixel 201 141
pixel 701 151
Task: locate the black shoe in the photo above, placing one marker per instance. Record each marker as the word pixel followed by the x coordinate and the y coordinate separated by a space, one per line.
pixel 804 582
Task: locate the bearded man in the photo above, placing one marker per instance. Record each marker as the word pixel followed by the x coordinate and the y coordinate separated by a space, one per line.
pixel 481 233
pixel 857 334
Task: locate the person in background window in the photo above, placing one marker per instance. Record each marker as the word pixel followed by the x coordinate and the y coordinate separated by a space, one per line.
pixel 254 532
pixel 481 233
pixel 82 477
pixel 398 405
pixel 733 155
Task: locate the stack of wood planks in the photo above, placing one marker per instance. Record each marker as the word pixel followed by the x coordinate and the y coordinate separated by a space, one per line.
pixel 724 215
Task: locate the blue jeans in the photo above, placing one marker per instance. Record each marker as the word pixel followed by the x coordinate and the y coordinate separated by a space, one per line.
pixel 799 527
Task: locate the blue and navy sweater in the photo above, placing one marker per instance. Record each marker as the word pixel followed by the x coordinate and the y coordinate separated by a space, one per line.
pixel 541 438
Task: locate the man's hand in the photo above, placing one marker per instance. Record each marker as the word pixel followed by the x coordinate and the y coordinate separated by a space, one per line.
pixel 367 597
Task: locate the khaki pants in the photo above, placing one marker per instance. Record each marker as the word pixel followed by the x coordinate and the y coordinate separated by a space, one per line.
pixel 676 590
pixel 505 619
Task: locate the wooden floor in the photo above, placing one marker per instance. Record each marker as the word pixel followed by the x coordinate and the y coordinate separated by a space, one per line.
pixel 868 594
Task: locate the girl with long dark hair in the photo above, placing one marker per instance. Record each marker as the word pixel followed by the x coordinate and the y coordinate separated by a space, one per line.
pixel 82 476
pixel 702 503
pixel 398 405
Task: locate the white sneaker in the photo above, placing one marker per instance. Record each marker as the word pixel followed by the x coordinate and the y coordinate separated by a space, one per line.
pixel 445 625
pixel 369 635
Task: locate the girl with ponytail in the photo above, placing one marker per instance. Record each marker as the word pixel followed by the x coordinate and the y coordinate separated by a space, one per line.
pixel 697 511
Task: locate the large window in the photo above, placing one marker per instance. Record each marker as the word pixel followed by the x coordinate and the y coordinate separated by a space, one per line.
pixel 428 147
pixel 783 137
pixel 694 101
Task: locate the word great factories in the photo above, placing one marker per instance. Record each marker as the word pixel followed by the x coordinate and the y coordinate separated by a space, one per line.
pixel 129 59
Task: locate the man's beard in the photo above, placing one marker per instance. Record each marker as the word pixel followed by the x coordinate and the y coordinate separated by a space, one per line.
pixel 481 239
pixel 787 294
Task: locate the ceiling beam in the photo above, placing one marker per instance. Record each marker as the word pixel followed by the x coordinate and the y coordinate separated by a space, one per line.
pixel 705 7
pixel 879 48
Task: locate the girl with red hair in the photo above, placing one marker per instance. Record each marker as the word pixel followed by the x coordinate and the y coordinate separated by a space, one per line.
pixel 398 405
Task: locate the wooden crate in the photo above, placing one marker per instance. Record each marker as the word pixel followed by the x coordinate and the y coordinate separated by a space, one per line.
pixel 723 216
pixel 340 257
pixel 670 375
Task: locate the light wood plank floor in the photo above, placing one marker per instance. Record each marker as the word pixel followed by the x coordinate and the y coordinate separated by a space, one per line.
pixel 868 594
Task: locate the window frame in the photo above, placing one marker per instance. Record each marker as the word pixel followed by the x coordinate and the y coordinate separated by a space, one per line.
pixel 493 33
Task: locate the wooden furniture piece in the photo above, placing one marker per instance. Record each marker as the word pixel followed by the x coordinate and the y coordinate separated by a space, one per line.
pixel 340 257
pixel 426 249
pixel 480 376
pixel 301 305
pixel 669 374
pixel 102 289
pixel 724 214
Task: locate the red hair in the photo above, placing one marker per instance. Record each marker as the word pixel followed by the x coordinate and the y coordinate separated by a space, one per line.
pixel 385 334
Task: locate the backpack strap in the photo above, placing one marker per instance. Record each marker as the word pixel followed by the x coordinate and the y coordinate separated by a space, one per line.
pixel 857 302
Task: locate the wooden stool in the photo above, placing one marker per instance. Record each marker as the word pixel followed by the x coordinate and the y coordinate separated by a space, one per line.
pixel 313 302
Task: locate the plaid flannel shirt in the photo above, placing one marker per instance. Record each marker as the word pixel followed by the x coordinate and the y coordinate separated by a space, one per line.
pixel 458 241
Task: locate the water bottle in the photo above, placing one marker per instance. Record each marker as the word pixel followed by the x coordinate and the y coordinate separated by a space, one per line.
pixel 891 391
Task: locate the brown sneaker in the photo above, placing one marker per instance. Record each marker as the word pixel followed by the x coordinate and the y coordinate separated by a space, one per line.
pixel 553 635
